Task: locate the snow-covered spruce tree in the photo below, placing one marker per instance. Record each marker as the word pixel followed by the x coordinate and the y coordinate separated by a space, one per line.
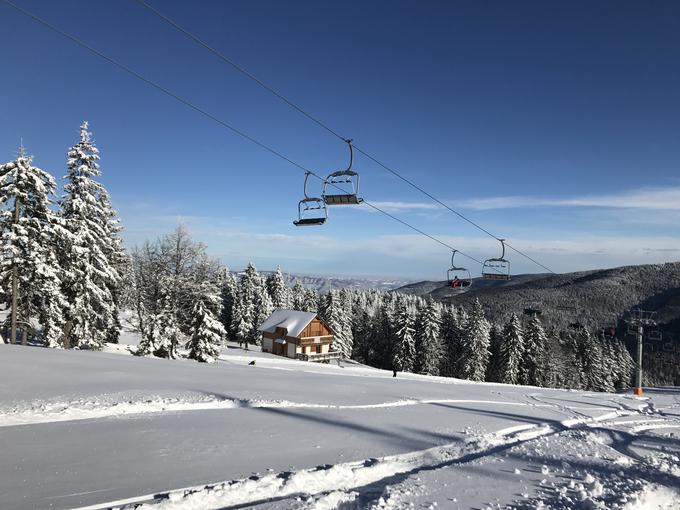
pixel 118 259
pixel 573 376
pixel 169 333
pixel 310 302
pixel 405 348
pixel 534 354
pixel 450 333
pixel 207 332
pixel 278 292
pixel 625 365
pixel 261 310
pixel 511 352
pixel 554 363
pixel 493 369
pixel 475 345
pixel 382 340
pixel 298 297
pixel 229 297
pixel 597 375
pixel 333 313
pixel 31 236
pixel 89 274
pixel 151 334
pixel 429 349
pixel 244 317
pixel 361 334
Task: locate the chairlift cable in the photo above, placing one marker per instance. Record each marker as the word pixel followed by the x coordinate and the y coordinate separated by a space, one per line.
pixel 323 125
pixel 203 112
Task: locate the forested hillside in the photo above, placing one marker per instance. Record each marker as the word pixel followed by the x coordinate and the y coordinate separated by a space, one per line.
pixel 595 297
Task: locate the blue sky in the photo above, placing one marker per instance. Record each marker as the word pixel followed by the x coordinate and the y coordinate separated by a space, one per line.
pixel 556 125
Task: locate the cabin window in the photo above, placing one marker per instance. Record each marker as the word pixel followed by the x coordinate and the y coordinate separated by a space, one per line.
pixel 318 349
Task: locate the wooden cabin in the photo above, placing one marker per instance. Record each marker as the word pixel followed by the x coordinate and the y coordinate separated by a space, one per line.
pixel 297 335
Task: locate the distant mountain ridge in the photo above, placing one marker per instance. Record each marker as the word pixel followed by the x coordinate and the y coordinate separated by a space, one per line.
pixel 597 296
pixel 323 284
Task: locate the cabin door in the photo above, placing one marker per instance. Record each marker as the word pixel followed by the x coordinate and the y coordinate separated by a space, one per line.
pixel 280 349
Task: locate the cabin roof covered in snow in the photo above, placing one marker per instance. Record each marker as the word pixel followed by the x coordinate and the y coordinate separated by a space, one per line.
pixel 293 321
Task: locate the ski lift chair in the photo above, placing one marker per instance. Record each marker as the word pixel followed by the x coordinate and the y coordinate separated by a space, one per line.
pixel 337 179
pixel 311 210
pixel 496 268
pixel 458 277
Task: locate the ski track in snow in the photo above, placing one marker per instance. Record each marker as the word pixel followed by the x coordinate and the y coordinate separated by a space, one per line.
pixel 336 484
pixel 79 410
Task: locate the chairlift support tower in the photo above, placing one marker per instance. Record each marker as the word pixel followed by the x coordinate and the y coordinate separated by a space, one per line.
pixel 638 321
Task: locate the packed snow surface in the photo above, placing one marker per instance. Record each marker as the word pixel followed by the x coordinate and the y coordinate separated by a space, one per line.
pixel 101 430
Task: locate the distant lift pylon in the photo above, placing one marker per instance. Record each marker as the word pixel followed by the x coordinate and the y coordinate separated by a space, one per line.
pixel 347 176
pixel 496 268
pixel 458 277
pixel 311 210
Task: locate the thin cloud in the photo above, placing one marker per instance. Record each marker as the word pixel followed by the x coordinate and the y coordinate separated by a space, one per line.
pixel 405 206
pixel 666 199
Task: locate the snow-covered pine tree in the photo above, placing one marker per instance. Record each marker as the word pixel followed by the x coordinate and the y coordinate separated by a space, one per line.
pixel 333 313
pixel 310 302
pixel 493 369
pixel 382 342
pixel 229 297
pixel 151 335
pixel 361 334
pixel 534 354
pixel 405 349
pixel 242 319
pixel 511 351
pixel 574 375
pixel 118 260
pixel 429 348
pixel 169 334
pixel 261 310
pixel 207 332
pixel 450 333
pixel 89 276
pixel 475 345
pixel 298 297
pixel 554 364
pixel 31 236
pixel 278 292
pixel 597 376
pixel 625 365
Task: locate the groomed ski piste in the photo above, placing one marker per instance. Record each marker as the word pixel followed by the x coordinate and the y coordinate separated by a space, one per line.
pixel 101 430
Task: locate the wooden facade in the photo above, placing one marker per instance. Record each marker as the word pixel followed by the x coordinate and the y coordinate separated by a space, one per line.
pixel 315 339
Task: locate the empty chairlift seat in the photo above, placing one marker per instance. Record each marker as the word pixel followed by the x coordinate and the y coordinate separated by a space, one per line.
pixel 335 186
pixel 496 268
pixel 311 210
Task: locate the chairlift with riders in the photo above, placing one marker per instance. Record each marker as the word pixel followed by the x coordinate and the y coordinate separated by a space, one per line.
pixel 458 277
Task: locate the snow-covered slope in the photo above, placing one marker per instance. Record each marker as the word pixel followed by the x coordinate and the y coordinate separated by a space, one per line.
pixel 88 429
